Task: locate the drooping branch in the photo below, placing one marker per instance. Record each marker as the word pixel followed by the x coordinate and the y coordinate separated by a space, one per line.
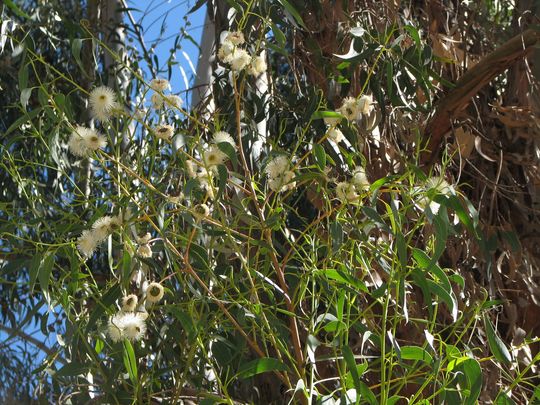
pixel 34 341
pixel 470 84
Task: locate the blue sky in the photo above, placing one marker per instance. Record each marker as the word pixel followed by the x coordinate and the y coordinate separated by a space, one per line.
pixel 152 15
pixel 172 15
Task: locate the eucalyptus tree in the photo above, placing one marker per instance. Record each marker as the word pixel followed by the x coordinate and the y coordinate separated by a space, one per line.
pixel 338 217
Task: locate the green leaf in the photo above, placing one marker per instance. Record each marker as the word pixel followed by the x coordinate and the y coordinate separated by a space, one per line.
pixel 262 365
pixel 16 9
pixel 229 150
pixel 375 217
pixel 351 365
pixel 292 11
pixel 326 114
pixel 23 120
pixel 34 267
pixel 320 156
pixel 345 279
pixel 366 393
pixel 503 399
pixel 130 363
pixel 416 353
pixel 473 373
pixel 447 297
pixel 72 369
pixel 496 345
pixel 45 269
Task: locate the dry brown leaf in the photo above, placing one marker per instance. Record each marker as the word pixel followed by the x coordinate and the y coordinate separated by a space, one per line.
pixel 465 141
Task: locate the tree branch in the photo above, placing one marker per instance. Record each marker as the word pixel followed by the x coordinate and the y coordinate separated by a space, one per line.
pixel 470 84
pixel 32 340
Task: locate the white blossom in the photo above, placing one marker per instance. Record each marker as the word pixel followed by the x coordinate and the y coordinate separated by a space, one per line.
pixel 102 101
pixel 360 179
pixel 222 136
pixel 234 37
pixel 365 104
pixel 154 292
pixel 159 84
pixel 129 303
pixel 128 325
pixel 157 100
pixel 164 131
pixel 277 166
pixel 346 192
pixel 87 243
pixel 174 101
pixel 239 59
pixel 334 134
pixel 84 141
pixel 282 182
pixel 213 157
pixel 257 65
pixel 106 225
pixel 225 51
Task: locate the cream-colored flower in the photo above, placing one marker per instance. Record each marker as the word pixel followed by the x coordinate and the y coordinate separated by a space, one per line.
pixel 144 251
pixel 102 102
pixel 164 131
pixel 334 134
pixel 159 84
pixel 87 243
pixel 235 38
pixel 222 136
pixel 440 185
pixel 360 179
pixel 257 65
pixel 240 59
pixel 331 121
pixel 154 292
pixel 213 157
pixel 106 225
pixel 174 101
pixel 129 303
pixel 201 211
pixel 205 178
pixel 83 141
pixel 365 104
pixel 127 325
pixel 157 100
pixel 277 166
pixel 346 192
pixel 349 109
pixel 143 240
pixel 191 168
pixel 134 326
pixel 114 328
pixel 283 182
pixel 225 51
pixel 140 113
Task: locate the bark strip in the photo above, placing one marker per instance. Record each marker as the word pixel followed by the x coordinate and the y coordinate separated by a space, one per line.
pixel 469 85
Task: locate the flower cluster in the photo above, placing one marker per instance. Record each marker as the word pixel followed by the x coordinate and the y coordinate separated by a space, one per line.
pixel 353 108
pixel 432 187
pixel 127 325
pixel 213 155
pixel 83 141
pixel 161 100
pixel 279 174
pixel 238 58
pixel 131 325
pixel 349 191
pixel 144 250
pixel 101 229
